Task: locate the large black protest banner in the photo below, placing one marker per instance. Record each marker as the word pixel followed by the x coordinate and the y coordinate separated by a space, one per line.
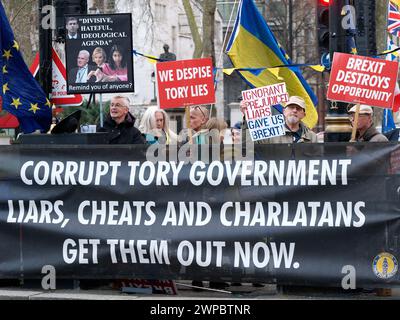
pixel 99 53
pixel 301 214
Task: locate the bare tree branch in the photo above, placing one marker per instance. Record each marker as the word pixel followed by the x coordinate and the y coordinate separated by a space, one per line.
pixel 198 43
pixel 19 11
pixel 209 7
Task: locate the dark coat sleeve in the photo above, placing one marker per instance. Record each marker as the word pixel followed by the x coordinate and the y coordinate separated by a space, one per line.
pixel 72 75
pixel 137 137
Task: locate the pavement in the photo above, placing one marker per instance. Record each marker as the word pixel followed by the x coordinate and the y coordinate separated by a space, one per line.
pixel 185 291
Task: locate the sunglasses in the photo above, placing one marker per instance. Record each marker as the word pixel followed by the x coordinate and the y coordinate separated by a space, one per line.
pixel 199 108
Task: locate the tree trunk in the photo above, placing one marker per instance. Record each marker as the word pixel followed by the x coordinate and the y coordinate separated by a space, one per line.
pixel 209 7
pixel 198 44
pixel 381 24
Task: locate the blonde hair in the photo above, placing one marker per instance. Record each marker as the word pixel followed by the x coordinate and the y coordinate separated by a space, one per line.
pixel 216 129
pixel 215 123
pixel 202 109
pixel 99 50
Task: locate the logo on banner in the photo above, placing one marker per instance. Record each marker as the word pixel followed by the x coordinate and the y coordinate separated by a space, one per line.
pixel 385 265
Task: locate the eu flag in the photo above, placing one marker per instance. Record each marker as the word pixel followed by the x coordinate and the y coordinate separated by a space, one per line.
pixel 21 94
pixel 253 45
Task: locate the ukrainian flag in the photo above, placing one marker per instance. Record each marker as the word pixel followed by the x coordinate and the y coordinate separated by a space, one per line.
pixel 253 45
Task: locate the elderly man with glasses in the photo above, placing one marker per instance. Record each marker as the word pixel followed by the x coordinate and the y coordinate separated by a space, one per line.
pixel 120 123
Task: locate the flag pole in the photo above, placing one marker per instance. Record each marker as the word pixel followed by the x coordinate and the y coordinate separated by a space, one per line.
pixel 355 123
pixel 45 43
pixel 187 113
pixel 219 63
pixel 101 110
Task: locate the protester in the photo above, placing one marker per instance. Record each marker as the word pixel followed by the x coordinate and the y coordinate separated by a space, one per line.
pixel 201 125
pixel 116 69
pixel 199 116
pixel 120 123
pixel 155 126
pixel 83 69
pixel 366 130
pixel 216 124
pixel 72 27
pixel 295 130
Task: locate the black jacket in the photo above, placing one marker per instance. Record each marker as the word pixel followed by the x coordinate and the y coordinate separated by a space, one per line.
pixel 393 135
pixel 74 71
pixel 123 133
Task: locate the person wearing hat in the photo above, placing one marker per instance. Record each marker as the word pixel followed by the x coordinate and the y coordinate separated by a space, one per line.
pixel 295 130
pixel 366 130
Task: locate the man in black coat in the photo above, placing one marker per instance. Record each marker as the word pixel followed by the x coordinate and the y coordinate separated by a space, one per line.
pixel 120 123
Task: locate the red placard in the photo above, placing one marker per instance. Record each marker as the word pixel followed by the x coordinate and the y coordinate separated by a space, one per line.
pixel 364 80
pixel 185 82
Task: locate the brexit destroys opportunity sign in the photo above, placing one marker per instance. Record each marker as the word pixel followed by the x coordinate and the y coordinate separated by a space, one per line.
pixel 260 121
pixel 185 83
pixel 364 80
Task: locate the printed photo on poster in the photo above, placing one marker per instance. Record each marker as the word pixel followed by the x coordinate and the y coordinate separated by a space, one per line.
pixel 99 53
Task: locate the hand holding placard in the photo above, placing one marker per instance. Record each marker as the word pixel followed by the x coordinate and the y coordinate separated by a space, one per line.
pixel 256 106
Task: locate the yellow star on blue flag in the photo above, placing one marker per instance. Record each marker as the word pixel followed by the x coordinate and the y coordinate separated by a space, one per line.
pixel 5 88
pixel 34 107
pixel 16 103
pixel 21 94
pixel 7 54
pixel 48 103
pixel 16 45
